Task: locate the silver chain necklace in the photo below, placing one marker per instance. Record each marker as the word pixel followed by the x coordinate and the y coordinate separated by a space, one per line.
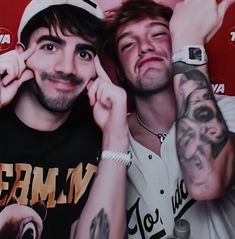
pixel 160 136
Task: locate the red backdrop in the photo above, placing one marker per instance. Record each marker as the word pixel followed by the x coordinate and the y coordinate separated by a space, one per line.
pixel 221 49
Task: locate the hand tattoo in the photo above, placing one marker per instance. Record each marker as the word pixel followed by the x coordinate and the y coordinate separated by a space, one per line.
pixel 100 227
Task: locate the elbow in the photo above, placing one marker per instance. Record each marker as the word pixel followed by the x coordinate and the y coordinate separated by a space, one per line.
pixel 200 194
pixel 209 190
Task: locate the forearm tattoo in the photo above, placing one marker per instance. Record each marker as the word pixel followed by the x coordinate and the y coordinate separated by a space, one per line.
pixel 201 130
pixel 100 226
pixel 181 67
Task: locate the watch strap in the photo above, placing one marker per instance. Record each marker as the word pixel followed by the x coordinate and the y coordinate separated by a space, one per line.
pixel 191 54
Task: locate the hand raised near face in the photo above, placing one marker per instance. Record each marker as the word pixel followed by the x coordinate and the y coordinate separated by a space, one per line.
pixel 109 103
pixel 13 72
pixel 196 21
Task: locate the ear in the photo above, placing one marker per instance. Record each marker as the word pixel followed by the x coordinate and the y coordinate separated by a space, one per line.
pixel 20 47
pixel 40 208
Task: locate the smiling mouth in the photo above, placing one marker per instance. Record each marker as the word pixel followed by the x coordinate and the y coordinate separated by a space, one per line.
pixel 147 60
pixel 63 85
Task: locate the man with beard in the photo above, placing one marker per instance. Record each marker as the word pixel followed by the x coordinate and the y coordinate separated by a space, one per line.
pixel 48 152
pixel 181 145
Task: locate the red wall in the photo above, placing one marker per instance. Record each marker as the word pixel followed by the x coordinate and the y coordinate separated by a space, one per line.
pixel 11 11
pixel 221 49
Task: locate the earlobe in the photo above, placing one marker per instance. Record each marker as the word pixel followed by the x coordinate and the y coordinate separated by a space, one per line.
pixel 20 47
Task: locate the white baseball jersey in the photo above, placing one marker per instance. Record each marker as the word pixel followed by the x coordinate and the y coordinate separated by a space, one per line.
pixel 156 193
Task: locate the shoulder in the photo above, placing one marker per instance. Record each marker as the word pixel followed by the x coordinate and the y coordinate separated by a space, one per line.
pixel 227 107
pixel 223 100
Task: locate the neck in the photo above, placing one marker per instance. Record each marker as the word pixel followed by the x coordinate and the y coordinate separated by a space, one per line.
pixel 34 115
pixel 157 112
pixel 161 136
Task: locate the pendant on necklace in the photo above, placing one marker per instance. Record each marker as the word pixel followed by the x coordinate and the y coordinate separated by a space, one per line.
pixel 161 137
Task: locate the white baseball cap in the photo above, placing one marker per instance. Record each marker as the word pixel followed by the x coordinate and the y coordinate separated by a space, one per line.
pixel 35 6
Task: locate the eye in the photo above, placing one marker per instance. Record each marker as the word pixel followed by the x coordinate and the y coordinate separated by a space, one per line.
pixel 126 46
pixel 48 47
pixel 158 34
pixel 85 55
pixel 29 231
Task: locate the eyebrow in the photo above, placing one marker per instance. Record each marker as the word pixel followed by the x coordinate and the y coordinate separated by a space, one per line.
pixel 152 24
pixel 125 34
pixel 157 24
pixel 51 38
pixel 85 46
pixel 79 47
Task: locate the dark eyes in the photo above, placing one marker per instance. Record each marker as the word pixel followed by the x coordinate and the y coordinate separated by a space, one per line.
pixel 85 55
pixel 49 47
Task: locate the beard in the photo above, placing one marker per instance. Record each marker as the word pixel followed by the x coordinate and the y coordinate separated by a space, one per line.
pixel 61 103
pixel 149 84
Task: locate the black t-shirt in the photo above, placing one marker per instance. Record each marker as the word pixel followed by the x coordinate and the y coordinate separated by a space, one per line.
pixel 56 167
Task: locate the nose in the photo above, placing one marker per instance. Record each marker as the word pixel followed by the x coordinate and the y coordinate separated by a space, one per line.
pixel 145 45
pixel 66 63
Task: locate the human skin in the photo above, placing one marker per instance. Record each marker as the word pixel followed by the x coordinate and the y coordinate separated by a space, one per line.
pixel 65 67
pixel 145 48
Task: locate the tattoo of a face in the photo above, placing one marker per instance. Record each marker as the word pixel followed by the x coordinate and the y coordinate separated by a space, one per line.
pixel 202 131
pixel 100 226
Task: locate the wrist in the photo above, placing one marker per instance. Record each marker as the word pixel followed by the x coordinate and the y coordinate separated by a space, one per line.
pixel 116 140
pixel 116 145
pixel 191 55
pixel 120 157
pixel 179 41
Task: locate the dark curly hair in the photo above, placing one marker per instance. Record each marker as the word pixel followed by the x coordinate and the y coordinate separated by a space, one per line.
pixel 69 19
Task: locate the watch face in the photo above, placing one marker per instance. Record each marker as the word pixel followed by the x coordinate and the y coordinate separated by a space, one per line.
pixel 195 53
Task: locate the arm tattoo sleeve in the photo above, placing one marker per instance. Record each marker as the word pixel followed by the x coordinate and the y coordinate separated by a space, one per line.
pixel 201 129
pixel 100 227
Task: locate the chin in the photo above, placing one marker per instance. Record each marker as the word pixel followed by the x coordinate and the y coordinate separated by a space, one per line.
pixel 57 104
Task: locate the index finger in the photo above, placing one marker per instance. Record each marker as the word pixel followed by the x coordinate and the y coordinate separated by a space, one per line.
pixel 100 70
pixel 28 52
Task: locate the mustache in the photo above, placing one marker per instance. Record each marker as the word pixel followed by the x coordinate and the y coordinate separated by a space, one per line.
pixel 62 76
pixel 157 55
